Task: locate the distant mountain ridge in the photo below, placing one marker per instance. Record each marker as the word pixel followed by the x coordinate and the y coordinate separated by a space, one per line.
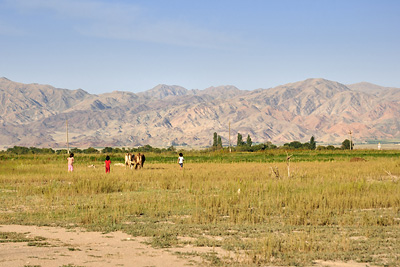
pixel 35 115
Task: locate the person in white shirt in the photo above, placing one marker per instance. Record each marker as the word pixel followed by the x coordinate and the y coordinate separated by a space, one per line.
pixel 181 160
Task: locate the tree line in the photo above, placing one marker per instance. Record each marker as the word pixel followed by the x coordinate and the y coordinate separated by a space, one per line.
pixel 21 150
pixel 217 145
pixel 241 145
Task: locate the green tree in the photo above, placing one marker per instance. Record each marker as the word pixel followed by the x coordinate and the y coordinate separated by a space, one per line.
pixel 171 149
pixel 117 150
pixel 75 150
pixel 107 150
pixel 239 140
pixel 145 148
pixel 90 150
pixel 313 145
pixel 294 144
pixel 346 144
pixel 219 142
pixel 269 145
pixel 19 150
pixel 215 140
pixel 248 141
pixel 61 151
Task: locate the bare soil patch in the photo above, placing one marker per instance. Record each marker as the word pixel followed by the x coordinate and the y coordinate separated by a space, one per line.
pixel 77 247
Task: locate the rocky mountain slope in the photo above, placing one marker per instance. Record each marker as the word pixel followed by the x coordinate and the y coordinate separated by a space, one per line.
pixel 36 115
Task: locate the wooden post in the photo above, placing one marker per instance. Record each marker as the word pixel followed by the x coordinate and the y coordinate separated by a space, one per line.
pixel 288 163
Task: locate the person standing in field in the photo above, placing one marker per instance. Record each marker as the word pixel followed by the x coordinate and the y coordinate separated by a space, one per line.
pixel 181 160
pixel 70 160
pixel 107 163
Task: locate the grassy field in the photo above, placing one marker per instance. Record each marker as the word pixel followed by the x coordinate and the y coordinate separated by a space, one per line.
pixel 325 208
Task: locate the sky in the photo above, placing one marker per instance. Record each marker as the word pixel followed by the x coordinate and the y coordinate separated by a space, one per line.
pixel 102 46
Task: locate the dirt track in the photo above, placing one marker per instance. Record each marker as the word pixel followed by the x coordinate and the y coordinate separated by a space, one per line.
pixel 79 248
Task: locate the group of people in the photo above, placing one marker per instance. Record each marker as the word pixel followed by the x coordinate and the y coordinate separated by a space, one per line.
pixel 107 162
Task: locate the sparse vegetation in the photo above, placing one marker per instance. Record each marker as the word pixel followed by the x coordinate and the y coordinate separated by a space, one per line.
pixel 6 237
pixel 329 208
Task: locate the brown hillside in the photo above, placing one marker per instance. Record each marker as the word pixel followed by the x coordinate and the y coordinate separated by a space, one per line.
pixel 35 115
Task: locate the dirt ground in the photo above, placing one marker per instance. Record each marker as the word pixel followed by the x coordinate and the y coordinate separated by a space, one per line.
pixel 77 247
pixel 80 248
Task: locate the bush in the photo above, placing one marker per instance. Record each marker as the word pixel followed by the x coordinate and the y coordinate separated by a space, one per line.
pixel 90 150
pixel 20 150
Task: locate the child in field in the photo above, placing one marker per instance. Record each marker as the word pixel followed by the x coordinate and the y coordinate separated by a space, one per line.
pixel 107 163
pixel 70 160
pixel 181 160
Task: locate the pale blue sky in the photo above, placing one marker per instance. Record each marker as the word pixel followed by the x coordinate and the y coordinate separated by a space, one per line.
pixel 102 46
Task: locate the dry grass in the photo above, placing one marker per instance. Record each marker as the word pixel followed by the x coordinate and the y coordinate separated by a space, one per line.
pixel 324 211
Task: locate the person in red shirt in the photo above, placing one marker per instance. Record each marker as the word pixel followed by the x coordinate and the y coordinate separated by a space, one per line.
pixel 108 164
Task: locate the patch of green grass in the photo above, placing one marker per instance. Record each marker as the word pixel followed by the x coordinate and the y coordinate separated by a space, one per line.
pixel 165 240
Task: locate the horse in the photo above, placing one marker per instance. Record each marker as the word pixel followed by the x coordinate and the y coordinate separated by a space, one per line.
pixel 128 160
pixel 138 160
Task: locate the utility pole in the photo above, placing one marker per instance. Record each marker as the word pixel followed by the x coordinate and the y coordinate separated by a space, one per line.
pixel 67 139
pixel 351 140
pixel 230 149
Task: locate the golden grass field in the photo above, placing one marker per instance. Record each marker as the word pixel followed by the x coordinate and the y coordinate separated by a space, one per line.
pixel 335 210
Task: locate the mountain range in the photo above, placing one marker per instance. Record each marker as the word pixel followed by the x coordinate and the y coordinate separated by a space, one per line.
pixel 37 115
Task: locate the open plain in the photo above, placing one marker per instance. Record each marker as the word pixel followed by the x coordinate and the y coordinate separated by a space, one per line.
pixel 319 209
